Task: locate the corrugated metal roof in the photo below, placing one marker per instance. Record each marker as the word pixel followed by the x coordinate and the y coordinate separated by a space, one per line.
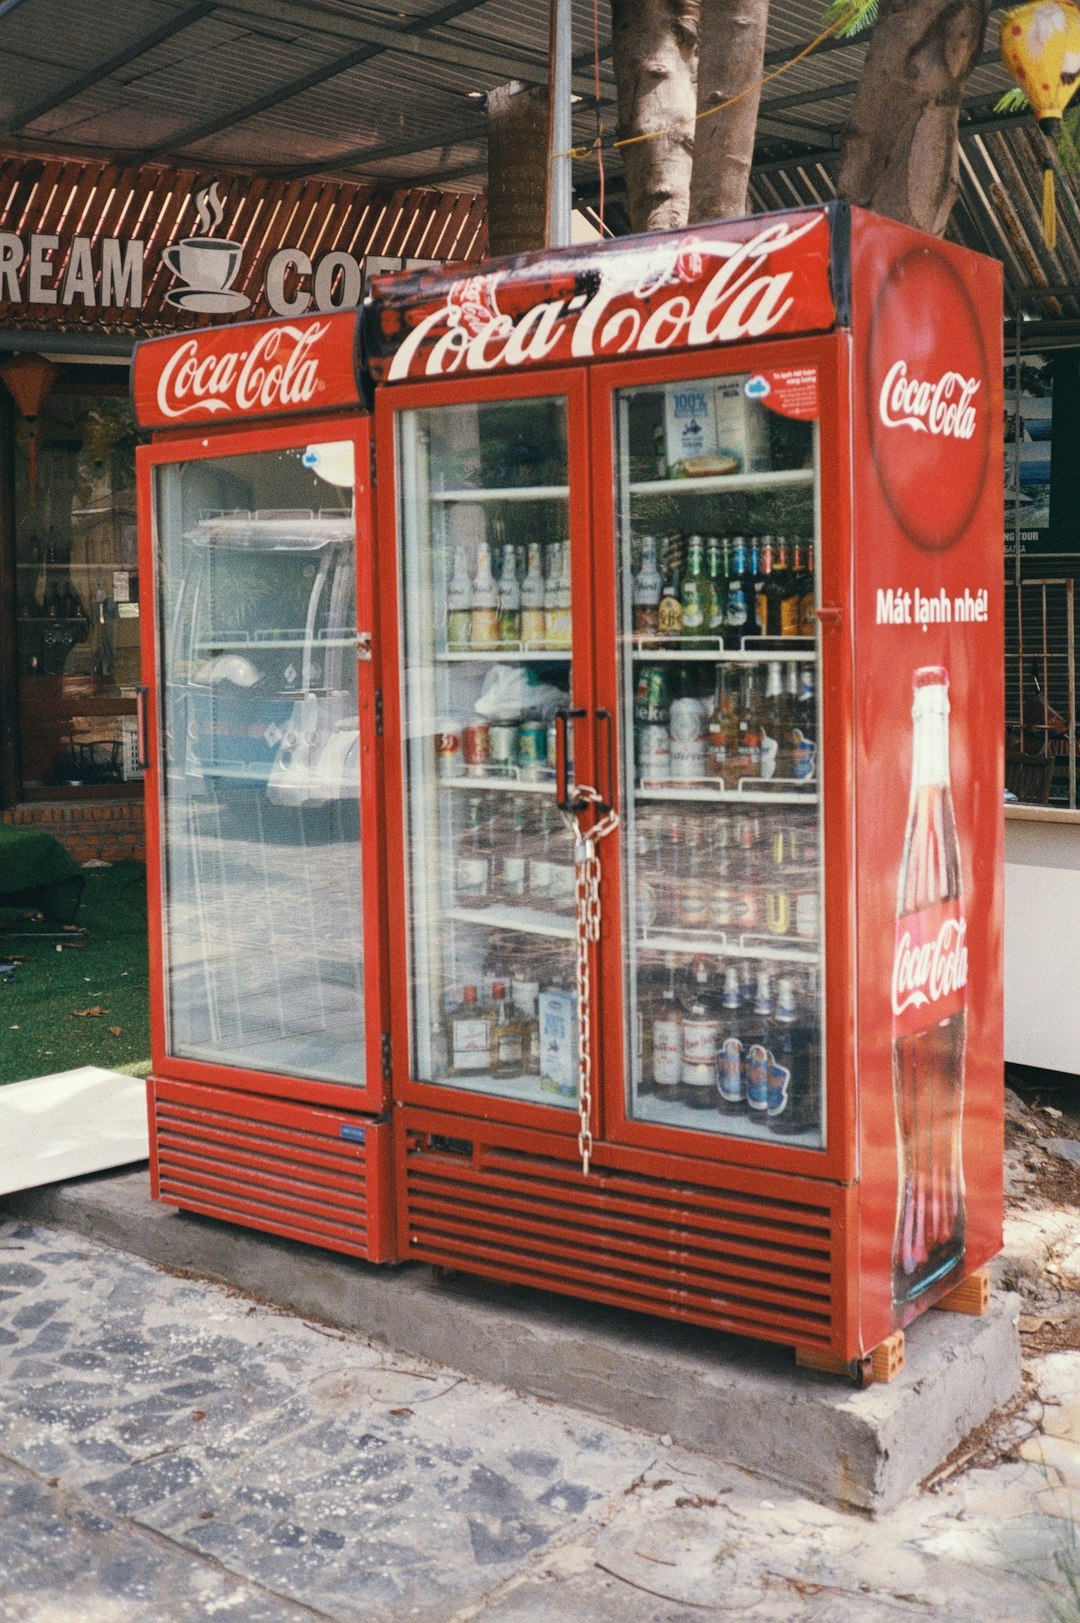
pixel 390 91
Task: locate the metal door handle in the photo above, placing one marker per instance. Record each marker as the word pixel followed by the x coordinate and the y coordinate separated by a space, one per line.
pixel 142 747
pixel 608 790
pixel 562 778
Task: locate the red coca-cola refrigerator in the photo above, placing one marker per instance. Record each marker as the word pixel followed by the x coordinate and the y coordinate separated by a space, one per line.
pixel 690 551
pixel 259 726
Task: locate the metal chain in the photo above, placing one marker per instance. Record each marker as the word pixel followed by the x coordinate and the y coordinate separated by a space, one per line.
pixel 587 897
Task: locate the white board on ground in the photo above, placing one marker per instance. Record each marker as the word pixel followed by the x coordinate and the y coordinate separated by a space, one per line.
pixel 62 1126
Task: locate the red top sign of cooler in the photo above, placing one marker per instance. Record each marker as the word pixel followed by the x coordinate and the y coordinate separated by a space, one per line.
pixel 246 370
pixel 721 283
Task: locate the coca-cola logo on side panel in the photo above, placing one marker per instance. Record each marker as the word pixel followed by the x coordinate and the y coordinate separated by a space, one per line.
pixel 928 399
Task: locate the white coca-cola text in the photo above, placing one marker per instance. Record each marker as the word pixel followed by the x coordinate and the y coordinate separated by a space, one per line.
pixel 743 299
pixel 928 972
pixel 278 371
pixel 943 408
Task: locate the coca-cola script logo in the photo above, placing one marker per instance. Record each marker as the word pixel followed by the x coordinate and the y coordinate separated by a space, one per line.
pixel 930 968
pixel 660 295
pixel 927 401
pixel 278 370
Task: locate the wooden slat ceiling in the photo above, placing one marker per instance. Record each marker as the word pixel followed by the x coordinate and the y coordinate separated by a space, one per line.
pixel 389 93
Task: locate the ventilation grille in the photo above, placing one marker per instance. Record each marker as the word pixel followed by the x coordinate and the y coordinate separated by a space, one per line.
pixel 303 1172
pixel 757 1264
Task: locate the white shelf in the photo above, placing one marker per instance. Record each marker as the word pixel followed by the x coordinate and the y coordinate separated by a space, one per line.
pixel 734 482
pixel 507 785
pixel 753 797
pixel 506 493
pixel 803 649
pixel 716 944
pixel 527 920
pixel 252 644
pixel 673 1113
pixel 528 1088
pixel 83 569
pixel 517 652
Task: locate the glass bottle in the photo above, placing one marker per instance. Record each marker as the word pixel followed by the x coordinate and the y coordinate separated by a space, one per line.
pixel 508 1038
pixel 776 759
pixel 484 618
pixel 472 873
pixel 723 733
pixel 557 599
pixel 469 1035
pixel 757 1049
pixel 717 577
pixel 748 761
pixel 647 591
pixel 790 596
pixel 509 600
pixel 513 875
pixel 696 608
pixel 730 1079
pixel 459 602
pixel 735 624
pixel 808 597
pixel 700 1038
pixel 764 588
pixel 667 1039
pixel 532 600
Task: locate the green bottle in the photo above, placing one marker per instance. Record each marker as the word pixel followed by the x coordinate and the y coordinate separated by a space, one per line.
pixel 717 589
pixel 696 594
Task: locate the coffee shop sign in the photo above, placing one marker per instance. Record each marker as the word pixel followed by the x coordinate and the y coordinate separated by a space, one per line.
pixel 111 272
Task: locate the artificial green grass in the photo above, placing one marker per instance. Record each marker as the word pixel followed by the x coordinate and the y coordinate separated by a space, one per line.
pixel 104 968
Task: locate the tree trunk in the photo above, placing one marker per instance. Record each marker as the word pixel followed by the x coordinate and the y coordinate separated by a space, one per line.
pixel 730 60
pixel 900 155
pixel 654 52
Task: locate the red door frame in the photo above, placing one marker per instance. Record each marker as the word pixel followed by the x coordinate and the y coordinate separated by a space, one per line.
pixel 373 1095
pixel 390 400
pixel 830 355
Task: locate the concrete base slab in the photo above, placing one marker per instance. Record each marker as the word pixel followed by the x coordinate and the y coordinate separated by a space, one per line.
pixel 741 1401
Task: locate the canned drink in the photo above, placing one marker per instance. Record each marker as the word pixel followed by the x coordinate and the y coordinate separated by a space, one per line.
pixel 448 752
pixel 778 912
pixel 806 914
pixel 502 747
pixel 687 759
pixel 476 749
pixel 654 754
pixel 651 702
pixel 532 749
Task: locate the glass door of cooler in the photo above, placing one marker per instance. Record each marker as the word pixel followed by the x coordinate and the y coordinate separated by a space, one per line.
pixel 717 531
pixel 489 606
pixel 259 804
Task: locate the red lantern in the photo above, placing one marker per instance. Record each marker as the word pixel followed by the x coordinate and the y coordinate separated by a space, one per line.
pixel 29 379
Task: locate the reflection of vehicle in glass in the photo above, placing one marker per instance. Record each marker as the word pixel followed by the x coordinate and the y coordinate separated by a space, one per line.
pixel 264 618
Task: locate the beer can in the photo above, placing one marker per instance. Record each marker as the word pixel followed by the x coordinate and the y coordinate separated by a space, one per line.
pixel 532 750
pixel 778 912
pixel 654 754
pixel 651 701
pixel 806 913
pixel 476 749
pixel 448 752
pixel 502 748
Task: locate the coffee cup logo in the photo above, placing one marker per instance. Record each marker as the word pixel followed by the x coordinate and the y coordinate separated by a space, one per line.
pixel 206 265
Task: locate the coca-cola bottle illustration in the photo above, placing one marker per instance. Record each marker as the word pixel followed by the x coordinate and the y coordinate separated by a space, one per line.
pixel 929 1003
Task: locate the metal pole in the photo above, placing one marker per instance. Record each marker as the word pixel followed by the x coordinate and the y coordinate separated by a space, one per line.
pixel 559 186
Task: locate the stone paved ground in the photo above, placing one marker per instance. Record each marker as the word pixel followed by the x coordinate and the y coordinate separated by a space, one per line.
pixel 170 1451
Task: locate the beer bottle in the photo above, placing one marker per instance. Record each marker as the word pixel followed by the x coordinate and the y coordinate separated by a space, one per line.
pixel 748 762
pixel 532 600
pixel 717 589
pixel 667 1039
pixel 792 1087
pixel 804 728
pixel 775 730
pixel 723 733
pixel 696 607
pixel 484 619
pixel 700 1039
pixel 730 1081
pixel 670 613
pixel 647 591
pixel 763 590
pixel 758 1043
pixel 808 596
pixel 790 595
pixel 509 600
pixel 735 623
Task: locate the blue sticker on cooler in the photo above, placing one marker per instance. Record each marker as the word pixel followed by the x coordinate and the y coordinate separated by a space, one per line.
pixel 353 1132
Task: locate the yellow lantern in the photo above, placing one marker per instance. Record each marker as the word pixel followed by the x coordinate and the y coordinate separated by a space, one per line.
pixel 1040 46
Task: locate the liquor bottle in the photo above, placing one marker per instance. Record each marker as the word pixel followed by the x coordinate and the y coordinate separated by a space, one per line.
pixel 757 1050
pixel 557 626
pixel 730 1080
pixel 929 1009
pixel 776 751
pixel 484 619
pixel 696 606
pixel 793 1088
pixel 459 603
pixel 808 596
pixel 469 1035
pixel 647 591
pixel 667 1044
pixel 539 860
pixel 790 595
pixel 513 874
pixel 717 576
pixel 722 737
pixel 472 872
pixel 509 600
pixel 532 600
pixel 526 997
pixel 763 588
pixel 804 727
pixel 700 1040
pixel 735 624
pixel 563 873
pixel 669 615
pixel 508 1038
pixel 748 760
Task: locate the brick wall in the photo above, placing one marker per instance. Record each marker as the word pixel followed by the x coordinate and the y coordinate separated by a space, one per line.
pixel 101 830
